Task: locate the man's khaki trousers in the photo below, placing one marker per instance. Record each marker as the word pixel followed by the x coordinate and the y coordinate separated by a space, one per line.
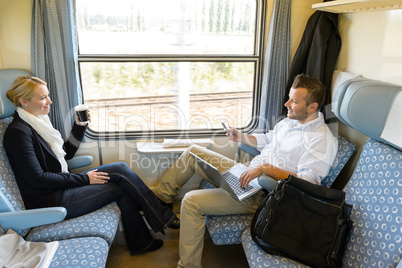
pixel 199 203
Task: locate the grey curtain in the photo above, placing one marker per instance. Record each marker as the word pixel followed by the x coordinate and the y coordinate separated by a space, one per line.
pixel 276 66
pixel 54 57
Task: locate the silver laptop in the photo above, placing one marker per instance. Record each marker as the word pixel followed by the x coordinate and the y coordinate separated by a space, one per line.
pixel 228 180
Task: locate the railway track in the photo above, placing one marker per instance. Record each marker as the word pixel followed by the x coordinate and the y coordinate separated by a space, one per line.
pixel 168 99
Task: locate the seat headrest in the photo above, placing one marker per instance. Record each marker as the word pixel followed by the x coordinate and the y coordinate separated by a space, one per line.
pixel 371 107
pixel 7 77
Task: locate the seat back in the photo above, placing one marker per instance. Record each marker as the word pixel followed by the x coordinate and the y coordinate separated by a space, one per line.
pixel 10 197
pixel 345 151
pixel 372 107
pixel 375 190
pixel 7 77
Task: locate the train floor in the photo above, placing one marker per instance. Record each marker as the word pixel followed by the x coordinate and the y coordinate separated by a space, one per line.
pixel 167 256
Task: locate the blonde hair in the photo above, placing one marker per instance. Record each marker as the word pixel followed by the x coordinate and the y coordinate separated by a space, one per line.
pixel 24 87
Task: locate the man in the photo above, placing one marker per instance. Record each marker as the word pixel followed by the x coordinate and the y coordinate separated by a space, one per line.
pixel 301 145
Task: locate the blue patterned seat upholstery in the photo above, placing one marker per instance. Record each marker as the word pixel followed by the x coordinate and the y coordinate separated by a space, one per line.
pixel 228 229
pixel 8 184
pixel 100 223
pixel 374 190
pixel 81 252
pixel 345 151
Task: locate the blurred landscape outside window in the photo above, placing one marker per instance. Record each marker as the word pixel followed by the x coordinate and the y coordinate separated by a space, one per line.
pixel 167 65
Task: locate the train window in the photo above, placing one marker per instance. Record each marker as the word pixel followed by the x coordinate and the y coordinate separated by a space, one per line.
pixel 169 65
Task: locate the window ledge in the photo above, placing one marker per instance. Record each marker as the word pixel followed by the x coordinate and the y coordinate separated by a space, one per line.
pixel 170 145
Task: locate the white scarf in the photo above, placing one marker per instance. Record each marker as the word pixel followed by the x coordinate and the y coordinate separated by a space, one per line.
pixel 43 126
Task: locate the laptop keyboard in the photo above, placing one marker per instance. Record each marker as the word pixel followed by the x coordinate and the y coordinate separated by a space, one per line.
pixel 234 183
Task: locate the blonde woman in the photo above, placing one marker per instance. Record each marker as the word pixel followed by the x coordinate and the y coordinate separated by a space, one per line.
pixel 38 156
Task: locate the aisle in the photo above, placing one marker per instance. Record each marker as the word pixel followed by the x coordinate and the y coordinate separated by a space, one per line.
pixel 168 256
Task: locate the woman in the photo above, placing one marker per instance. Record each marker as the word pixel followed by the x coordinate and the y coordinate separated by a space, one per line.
pixel 37 155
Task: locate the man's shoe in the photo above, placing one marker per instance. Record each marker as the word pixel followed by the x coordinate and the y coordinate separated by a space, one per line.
pixel 174 224
pixel 156 244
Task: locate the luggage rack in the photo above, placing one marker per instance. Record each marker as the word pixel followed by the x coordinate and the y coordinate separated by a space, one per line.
pixel 350 6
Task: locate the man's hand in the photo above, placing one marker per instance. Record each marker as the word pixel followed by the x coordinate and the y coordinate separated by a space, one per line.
pixel 248 175
pixel 270 170
pixel 236 134
pixel 239 136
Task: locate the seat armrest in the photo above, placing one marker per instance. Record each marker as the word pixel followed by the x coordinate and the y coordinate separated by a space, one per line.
pixel 267 182
pixel 5 204
pixel 21 220
pixel 80 161
pixel 248 149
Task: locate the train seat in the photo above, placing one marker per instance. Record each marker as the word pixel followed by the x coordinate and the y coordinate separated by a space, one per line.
pixel 375 186
pixel 77 252
pixel 47 224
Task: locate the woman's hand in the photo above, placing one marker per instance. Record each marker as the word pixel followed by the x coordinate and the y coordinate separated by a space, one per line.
pixel 78 122
pixel 96 177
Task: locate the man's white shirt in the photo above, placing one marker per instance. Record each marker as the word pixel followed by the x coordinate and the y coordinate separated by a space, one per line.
pixel 306 149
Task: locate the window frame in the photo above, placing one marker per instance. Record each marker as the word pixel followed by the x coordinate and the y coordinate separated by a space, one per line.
pixel 257 58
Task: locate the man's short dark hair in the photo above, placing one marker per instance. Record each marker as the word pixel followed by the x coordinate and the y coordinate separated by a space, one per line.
pixel 315 89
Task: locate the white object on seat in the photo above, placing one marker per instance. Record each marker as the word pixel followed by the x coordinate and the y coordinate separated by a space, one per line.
pixel 393 127
pixel 339 77
pixel 16 252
